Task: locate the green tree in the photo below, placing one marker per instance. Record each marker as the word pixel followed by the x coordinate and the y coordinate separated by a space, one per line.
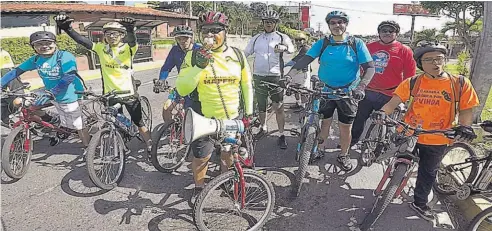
pixel 458 11
pixel 428 35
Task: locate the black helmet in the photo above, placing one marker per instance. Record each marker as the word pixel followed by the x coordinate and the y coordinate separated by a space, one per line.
pixel 182 30
pixel 270 14
pixel 425 47
pixel 42 36
pixel 389 23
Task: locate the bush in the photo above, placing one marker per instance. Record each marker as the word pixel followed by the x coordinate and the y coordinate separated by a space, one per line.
pixel 20 49
pixel 462 65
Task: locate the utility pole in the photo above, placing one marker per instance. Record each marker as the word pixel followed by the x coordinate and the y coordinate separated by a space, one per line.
pixel 319 26
pixel 215 6
pixel 412 29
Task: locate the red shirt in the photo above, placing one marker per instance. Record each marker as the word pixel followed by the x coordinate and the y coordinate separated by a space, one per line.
pixel 394 63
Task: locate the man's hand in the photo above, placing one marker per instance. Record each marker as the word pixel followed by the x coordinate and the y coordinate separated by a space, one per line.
pixel 378 117
pixel 128 23
pixel 63 21
pixel 464 133
pixel 43 98
pixel 284 83
pixel 279 48
pixel 359 93
pixel 202 58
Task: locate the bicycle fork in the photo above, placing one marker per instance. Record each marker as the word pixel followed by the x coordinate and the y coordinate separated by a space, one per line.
pixel 389 173
pixel 239 184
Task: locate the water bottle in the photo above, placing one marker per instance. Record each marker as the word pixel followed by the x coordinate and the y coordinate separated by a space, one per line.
pixel 125 121
pixel 243 152
pixel 172 95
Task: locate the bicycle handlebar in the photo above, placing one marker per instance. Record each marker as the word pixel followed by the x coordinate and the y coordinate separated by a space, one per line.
pixel 303 90
pixel 450 133
pixel 110 94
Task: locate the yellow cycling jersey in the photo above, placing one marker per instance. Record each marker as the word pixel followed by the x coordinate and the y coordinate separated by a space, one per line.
pixel 6 60
pixel 116 63
pixel 228 76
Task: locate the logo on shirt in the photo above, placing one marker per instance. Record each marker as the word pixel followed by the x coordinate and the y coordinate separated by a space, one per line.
pixel 446 95
pixel 49 72
pixel 381 59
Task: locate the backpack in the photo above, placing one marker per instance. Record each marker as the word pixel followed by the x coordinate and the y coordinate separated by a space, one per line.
pixel 281 55
pixel 327 42
pixel 79 81
pixel 456 83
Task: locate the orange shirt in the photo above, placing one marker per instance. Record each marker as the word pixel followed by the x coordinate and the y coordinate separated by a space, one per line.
pixel 433 105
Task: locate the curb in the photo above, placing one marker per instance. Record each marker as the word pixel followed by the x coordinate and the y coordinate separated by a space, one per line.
pixel 472 206
pixel 37 83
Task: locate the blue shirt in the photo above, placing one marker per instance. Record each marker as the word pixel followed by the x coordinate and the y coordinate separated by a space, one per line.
pixel 339 65
pixel 174 59
pixel 51 72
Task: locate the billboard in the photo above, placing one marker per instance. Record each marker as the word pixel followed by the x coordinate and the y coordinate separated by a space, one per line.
pixel 305 16
pixel 411 9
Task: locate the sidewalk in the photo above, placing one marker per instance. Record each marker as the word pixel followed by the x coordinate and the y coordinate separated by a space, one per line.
pixel 36 82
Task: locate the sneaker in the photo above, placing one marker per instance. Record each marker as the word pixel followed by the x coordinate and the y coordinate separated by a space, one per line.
pixel 261 133
pixel 282 143
pixel 345 163
pixel 424 211
pixel 196 193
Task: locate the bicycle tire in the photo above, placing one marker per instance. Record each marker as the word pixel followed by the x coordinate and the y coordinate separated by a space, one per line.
pixel 305 151
pixel 221 179
pixel 479 218
pixel 6 165
pixel 155 145
pixel 91 152
pixel 146 111
pixel 386 198
pixel 381 135
pixel 439 186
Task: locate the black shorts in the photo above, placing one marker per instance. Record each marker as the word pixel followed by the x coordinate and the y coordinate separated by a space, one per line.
pixel 346 109
pixel 263 92
pixel 133 107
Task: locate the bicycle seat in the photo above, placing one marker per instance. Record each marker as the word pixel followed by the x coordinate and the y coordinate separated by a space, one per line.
pixel 138 83
pixel 487 126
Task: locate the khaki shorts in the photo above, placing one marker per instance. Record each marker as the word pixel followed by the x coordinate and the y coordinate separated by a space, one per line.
pixel 70 115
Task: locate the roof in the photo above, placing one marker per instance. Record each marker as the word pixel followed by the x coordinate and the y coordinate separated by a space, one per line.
pixel 48 8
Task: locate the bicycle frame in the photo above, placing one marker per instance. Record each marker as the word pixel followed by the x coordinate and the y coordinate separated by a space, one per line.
pixel 475 188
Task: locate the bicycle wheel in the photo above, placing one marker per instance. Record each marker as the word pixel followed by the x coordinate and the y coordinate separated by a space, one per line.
pixel 223 203
pixel 306 148
pixel 383 201
pixel 16 153
pixel 106 146
pixel 449 179
pixel 146 112
pixel 168 149
pixel 482 221
pixel 375 133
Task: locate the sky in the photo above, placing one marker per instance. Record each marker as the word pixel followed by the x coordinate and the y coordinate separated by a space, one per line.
pixel 363 23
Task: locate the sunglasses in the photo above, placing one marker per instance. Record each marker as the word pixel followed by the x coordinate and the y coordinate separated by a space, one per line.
pixel 113 34
pixel 214 30
pixel 391 31
pixel 439 60
pixel 340 22
pixel 269 22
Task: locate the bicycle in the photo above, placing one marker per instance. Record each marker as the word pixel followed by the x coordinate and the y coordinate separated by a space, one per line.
pixel 173 133
pixel 470 175
pixel 399 169
pixel 20 137
pixel 374 144
pixel 119 130
pixel 233 183
pixel 482 221
pixel 307 147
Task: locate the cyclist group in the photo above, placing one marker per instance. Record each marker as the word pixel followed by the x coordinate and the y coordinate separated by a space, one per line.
pixel 217 82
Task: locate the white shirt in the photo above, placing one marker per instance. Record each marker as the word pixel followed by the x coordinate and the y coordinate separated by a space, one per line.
pixel 267 62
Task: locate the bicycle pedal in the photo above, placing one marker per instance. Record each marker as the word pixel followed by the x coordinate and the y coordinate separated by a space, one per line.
pixel 294 132
pixel 54 141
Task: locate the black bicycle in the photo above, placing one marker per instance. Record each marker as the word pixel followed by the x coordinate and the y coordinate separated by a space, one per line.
pixel 482 221
pixel 463 173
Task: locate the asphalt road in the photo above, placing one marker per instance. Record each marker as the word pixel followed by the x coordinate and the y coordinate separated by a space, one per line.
pixel 57 194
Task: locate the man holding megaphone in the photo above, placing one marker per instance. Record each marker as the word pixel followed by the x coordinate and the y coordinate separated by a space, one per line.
pixel 222 78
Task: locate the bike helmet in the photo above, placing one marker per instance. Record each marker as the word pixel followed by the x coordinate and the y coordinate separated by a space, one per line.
pixel 114 26
pixel 41 36
pixel 337 14
pixel 425 47
pixel 212 17
pixel 270 14
pixel 390 23
pixel 182 31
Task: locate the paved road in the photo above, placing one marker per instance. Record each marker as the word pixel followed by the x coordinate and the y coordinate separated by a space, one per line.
pixel 57 194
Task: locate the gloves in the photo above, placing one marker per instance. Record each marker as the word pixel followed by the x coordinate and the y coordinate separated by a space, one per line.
pixel 63 21
pixel 280 48
pixel 359 93
pixel 378 116
pixel 284 83
pixel 202 58
pixel 128 23
pixel 159 84
pixel 464 133
pixel 43 98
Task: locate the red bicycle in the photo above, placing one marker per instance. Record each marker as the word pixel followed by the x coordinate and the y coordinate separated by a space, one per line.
pixel 18 146
pixel 400 168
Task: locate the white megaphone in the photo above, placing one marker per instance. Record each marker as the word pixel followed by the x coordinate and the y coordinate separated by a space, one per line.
pixel 197 126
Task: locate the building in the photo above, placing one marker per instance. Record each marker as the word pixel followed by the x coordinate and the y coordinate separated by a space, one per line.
pixel 21 19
